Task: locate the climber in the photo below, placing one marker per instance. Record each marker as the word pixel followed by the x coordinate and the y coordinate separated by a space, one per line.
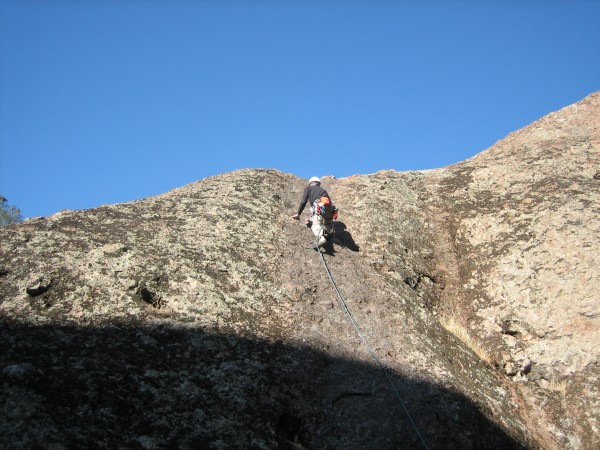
pixel 322 212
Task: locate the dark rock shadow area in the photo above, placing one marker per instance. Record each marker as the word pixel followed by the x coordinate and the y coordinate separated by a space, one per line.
pixel 122 386
pixel 344 238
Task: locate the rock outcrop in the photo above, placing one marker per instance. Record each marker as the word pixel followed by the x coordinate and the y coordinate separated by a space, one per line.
pixel 521 219
pixel 202 319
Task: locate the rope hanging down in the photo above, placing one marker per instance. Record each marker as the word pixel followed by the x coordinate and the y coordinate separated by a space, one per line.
pixel 371 351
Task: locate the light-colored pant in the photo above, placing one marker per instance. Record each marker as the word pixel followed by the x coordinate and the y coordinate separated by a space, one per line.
pixel 320 227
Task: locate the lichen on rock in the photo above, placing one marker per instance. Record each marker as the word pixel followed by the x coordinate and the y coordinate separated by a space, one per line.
pixel 201 318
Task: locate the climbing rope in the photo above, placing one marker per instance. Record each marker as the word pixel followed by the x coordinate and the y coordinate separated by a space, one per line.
pixel 371 351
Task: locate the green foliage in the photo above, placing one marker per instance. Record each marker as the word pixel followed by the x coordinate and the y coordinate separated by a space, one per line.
pixel 9 214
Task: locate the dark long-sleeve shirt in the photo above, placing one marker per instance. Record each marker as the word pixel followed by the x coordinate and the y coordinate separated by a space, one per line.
pixel 310 194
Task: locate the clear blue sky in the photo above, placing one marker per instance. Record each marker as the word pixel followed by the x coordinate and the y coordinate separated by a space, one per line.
pixel 111 101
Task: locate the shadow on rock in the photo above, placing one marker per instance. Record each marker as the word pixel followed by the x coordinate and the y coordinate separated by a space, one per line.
pixel 122 386
pixel 344 237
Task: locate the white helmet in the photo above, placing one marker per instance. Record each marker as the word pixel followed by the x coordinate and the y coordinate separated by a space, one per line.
pixel 314 180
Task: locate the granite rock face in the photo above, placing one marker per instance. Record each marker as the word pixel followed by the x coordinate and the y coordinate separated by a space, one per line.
pixel 521 219
pixel 202 318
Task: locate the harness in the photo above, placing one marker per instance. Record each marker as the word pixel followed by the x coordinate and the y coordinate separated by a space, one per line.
pixel 324 208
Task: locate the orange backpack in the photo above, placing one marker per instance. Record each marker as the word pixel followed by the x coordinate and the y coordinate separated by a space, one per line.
pixel 326 209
